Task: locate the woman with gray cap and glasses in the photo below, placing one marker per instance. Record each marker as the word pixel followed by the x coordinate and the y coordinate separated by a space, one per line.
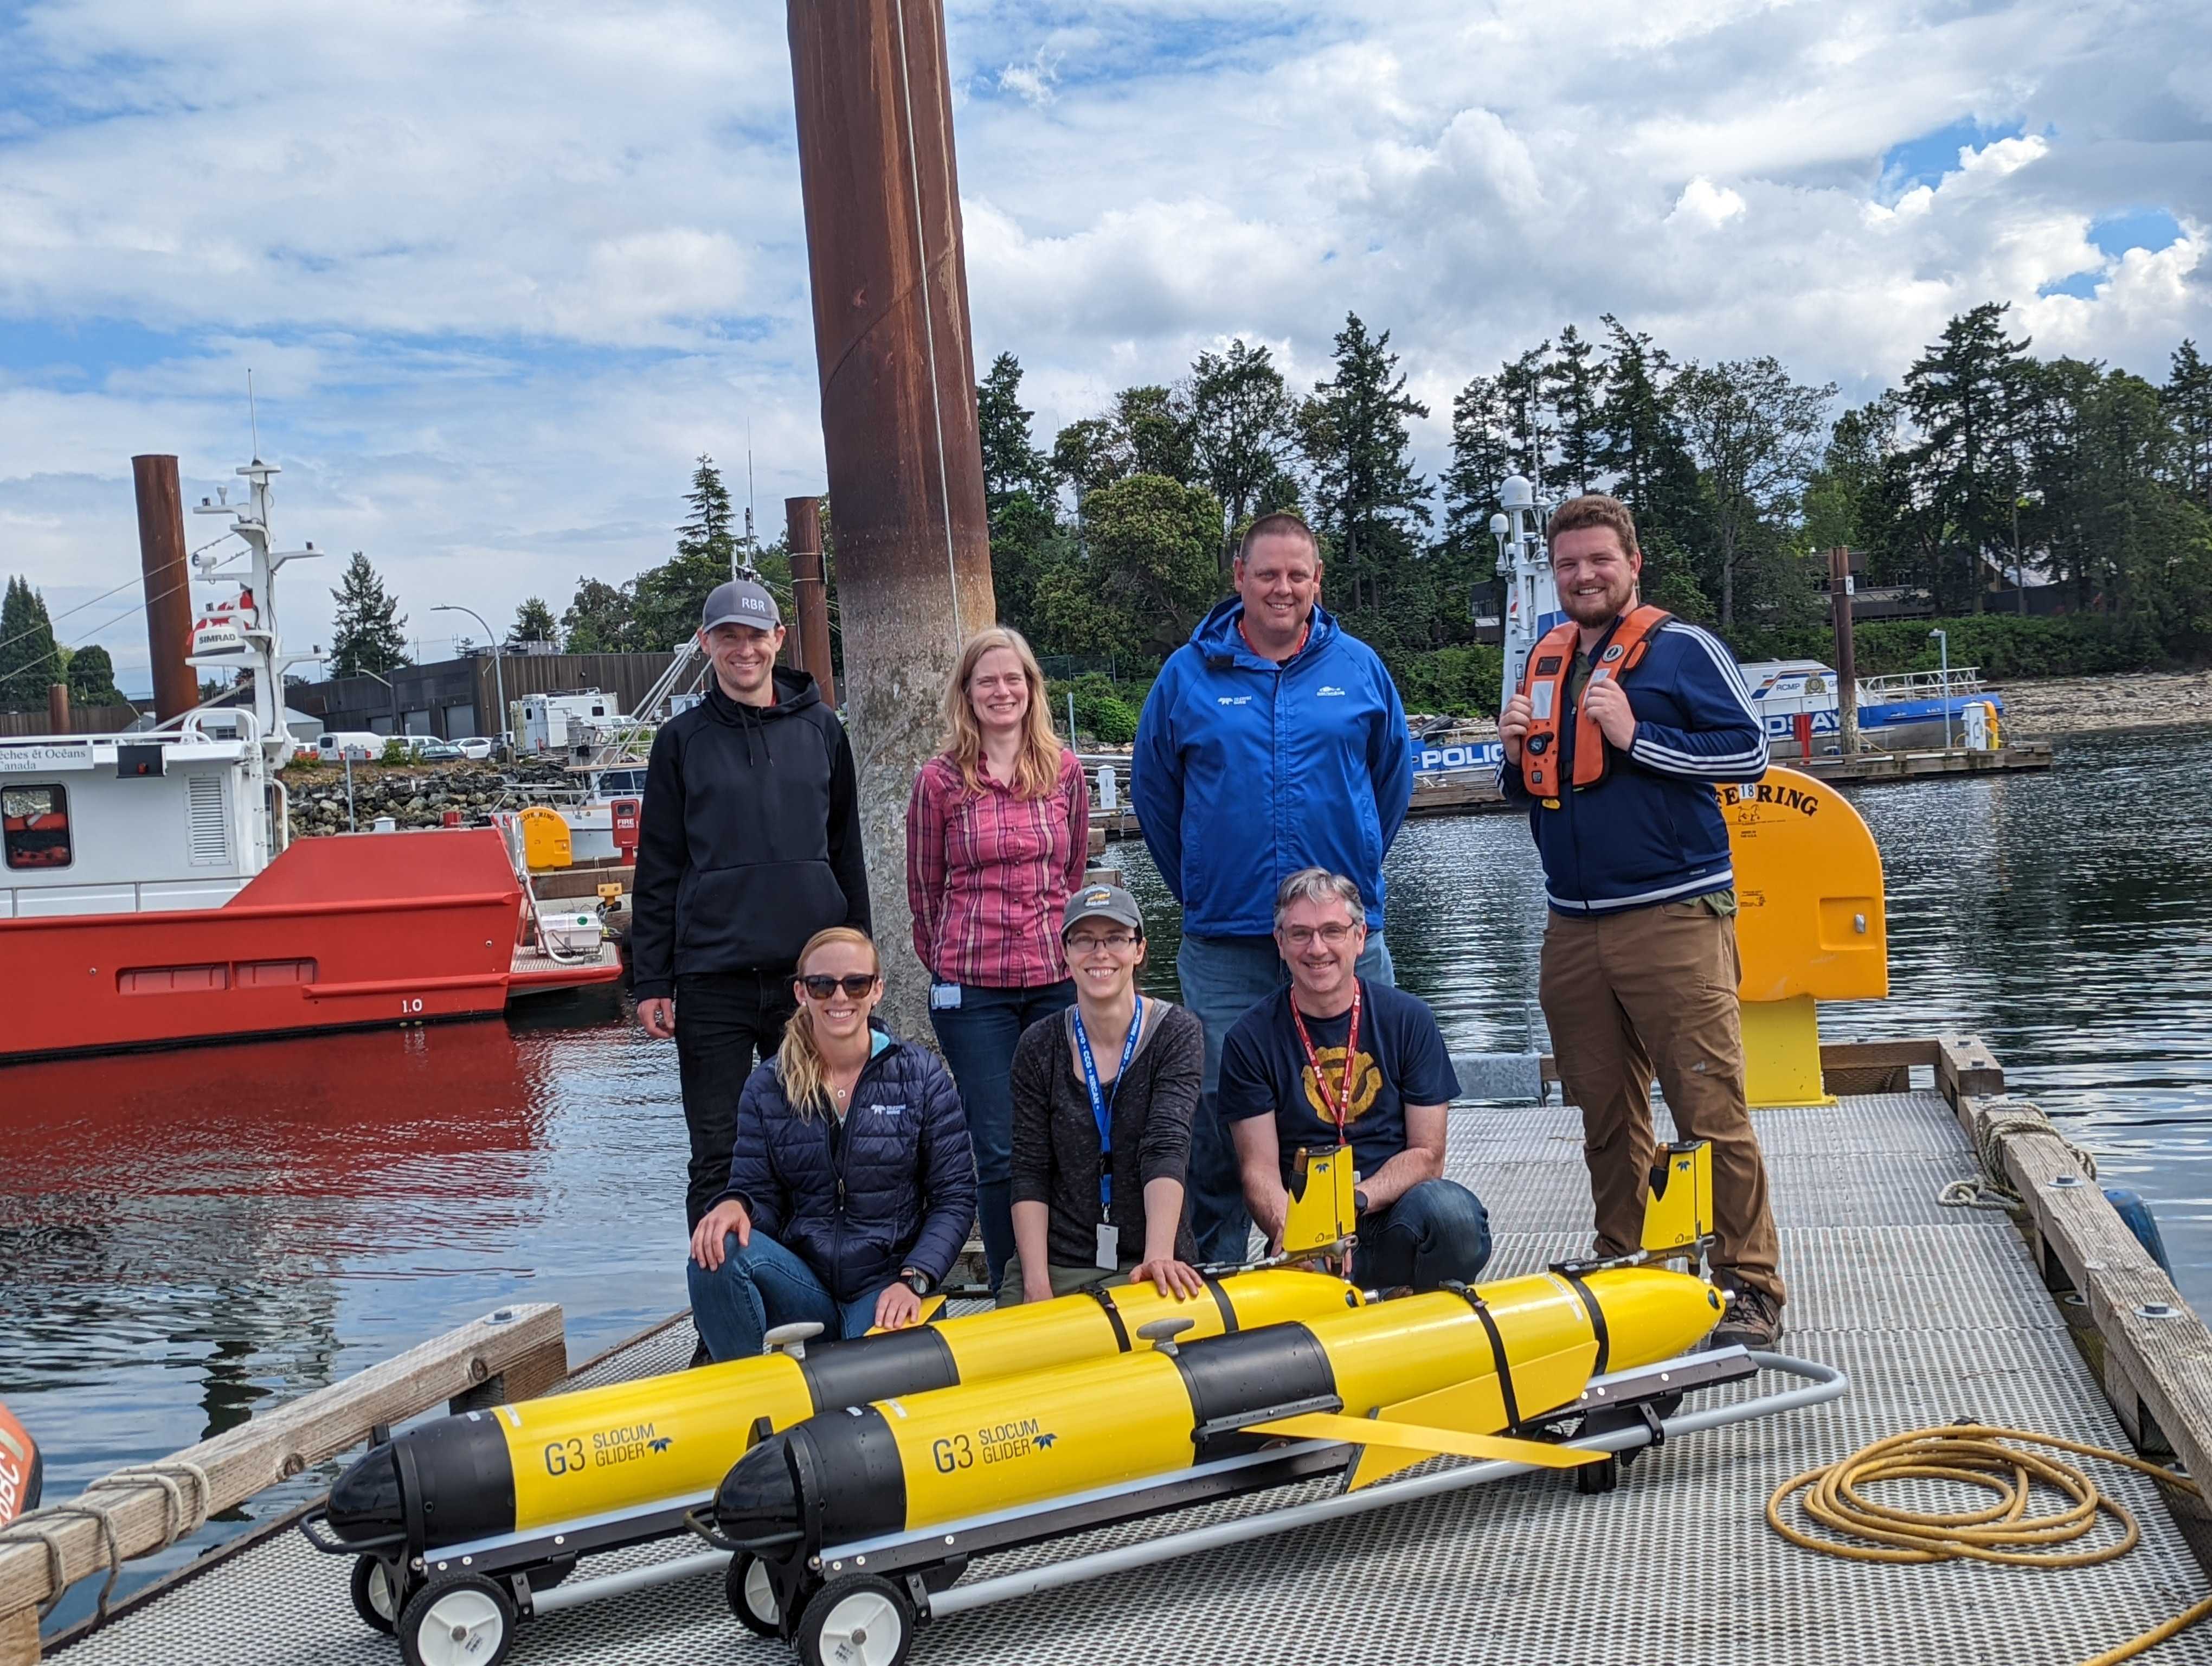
pixel 1104 1095
pixel 749 843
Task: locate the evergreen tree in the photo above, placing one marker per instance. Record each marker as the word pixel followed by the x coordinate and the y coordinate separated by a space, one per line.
pixel 92 678
pixel 1642 447
pixel 1756 436
pixel 1521 387
pixel 368 634
pixel 1368 498
pixel 1482 457
pixel 2187 396
pixel 1243 435
pixel 533 623
pixel 1018 491
pixel 1571 381
pixel 706 537
pixel 29 660
pixel 1964 395
pixel 1011 462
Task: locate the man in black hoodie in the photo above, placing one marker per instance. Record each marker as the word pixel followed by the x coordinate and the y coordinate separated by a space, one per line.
pixel 749 844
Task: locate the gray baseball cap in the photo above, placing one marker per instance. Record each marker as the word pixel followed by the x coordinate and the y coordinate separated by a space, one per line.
pixel 1104 902
pixel 743 602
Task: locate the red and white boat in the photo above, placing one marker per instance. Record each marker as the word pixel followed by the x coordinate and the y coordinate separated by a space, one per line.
pixel 150 893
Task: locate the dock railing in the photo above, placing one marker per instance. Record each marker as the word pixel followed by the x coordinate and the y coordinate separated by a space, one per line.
pixel 512 1354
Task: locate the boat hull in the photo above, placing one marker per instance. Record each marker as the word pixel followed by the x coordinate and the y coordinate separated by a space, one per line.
pixel 348 931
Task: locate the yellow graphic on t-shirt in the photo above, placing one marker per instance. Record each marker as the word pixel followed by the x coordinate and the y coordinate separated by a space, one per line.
pixel 1366 1083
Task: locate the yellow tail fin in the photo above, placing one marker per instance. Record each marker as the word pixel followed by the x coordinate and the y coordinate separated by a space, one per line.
pixel 1478 1406
pixel 1425 1443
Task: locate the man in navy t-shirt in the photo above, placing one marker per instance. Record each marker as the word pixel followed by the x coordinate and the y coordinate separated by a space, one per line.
pixel 1287 1083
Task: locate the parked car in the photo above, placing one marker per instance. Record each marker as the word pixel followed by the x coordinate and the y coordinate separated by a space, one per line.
pixel 437 751
pixel 476 746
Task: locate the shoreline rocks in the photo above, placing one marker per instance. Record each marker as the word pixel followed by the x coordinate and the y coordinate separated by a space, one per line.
pixel 2119 699
pixel 413 795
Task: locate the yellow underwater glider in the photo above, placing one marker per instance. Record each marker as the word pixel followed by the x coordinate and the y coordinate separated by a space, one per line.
pixel 1076 1411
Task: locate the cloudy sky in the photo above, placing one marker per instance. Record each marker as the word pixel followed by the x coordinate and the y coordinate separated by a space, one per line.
pixel 502 270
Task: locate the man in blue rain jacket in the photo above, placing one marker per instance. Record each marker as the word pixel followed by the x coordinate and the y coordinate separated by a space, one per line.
pixel 1272 741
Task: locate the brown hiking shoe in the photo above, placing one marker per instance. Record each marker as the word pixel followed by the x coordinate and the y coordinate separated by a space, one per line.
pixel 1754 1320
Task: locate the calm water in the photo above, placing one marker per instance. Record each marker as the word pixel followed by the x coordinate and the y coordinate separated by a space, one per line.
pixel 184 1235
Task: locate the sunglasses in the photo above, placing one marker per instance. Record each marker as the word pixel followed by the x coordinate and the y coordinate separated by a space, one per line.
pixel 854 984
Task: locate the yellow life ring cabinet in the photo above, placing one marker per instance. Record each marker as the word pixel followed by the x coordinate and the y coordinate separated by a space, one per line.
pixel 1809 928
pixel 546 842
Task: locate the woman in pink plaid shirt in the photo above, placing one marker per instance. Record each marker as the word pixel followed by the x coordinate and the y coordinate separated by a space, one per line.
pixel 997 833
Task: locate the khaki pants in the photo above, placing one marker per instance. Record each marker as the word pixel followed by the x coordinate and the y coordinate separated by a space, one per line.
pixel 1065 1280
pixel 1657 987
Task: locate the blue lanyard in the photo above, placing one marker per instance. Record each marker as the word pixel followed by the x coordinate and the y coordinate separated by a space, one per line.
pixel 1102 1104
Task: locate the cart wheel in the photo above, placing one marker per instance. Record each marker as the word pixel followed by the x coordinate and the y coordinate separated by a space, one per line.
pixel 465 1621
pixel 859 1620
pixel 752 1598
pixel 375 1593
pixel 1600 1477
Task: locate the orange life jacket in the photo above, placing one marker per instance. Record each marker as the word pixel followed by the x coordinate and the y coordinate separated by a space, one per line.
pixel 1545 682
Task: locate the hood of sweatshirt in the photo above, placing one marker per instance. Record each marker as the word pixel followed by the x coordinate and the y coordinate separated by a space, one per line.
pixel 795 690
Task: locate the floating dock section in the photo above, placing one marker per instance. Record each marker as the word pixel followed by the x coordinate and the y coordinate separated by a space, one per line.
pixel 1936 1311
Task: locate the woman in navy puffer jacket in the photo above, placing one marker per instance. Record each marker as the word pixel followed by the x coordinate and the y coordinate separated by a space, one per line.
pixel 852 1186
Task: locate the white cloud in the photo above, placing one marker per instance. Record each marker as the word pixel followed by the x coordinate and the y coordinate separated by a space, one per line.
pixel 1705 204
pixel 1031 81
pixel 502 274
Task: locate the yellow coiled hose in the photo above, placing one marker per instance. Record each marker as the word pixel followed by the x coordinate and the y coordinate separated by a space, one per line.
pixel 1976 1456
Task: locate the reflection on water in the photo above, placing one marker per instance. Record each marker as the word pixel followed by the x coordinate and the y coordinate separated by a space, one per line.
pixel 185 1234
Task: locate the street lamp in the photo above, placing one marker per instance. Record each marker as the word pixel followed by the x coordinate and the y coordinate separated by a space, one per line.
pixel 1943 653
pixel 498 672
pixel 396 725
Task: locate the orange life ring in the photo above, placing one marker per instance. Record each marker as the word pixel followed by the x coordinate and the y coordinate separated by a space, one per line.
pixel 20 1468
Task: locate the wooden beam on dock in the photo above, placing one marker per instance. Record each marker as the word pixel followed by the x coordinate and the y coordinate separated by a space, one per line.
pixel 1964 1068
pixel 2157 1351
pixel 512 1354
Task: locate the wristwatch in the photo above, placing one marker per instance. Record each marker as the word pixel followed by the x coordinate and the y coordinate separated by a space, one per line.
pixel 1359 1201
pixel 917 1282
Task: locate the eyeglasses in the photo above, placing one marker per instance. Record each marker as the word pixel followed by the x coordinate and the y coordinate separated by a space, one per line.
pixel 1333 935
pixel 1084 943
pixel 854 984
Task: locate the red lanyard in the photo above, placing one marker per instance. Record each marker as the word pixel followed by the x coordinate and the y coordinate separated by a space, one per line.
pixel 1339 1102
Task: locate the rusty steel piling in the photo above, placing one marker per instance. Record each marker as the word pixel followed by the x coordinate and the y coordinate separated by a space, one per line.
pixel 899 433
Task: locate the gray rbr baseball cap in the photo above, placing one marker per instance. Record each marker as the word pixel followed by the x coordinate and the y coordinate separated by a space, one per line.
pixel 740 602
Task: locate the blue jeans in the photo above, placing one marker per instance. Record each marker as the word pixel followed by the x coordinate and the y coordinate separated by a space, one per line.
pixel 760 1286
pixel 977 1038
pixel 1224 978
pixel 1439 1230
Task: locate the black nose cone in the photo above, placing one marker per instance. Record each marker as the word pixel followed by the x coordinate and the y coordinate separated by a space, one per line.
pixel 365 1501
pixel 757 1505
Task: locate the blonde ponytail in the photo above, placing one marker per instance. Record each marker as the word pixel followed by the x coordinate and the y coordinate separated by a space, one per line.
pixel 800 1067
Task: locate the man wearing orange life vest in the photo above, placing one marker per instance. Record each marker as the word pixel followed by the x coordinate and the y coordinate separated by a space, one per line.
pixel 1627 721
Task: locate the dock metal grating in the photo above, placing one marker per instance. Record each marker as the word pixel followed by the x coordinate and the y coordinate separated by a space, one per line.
pixel 1936 1312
